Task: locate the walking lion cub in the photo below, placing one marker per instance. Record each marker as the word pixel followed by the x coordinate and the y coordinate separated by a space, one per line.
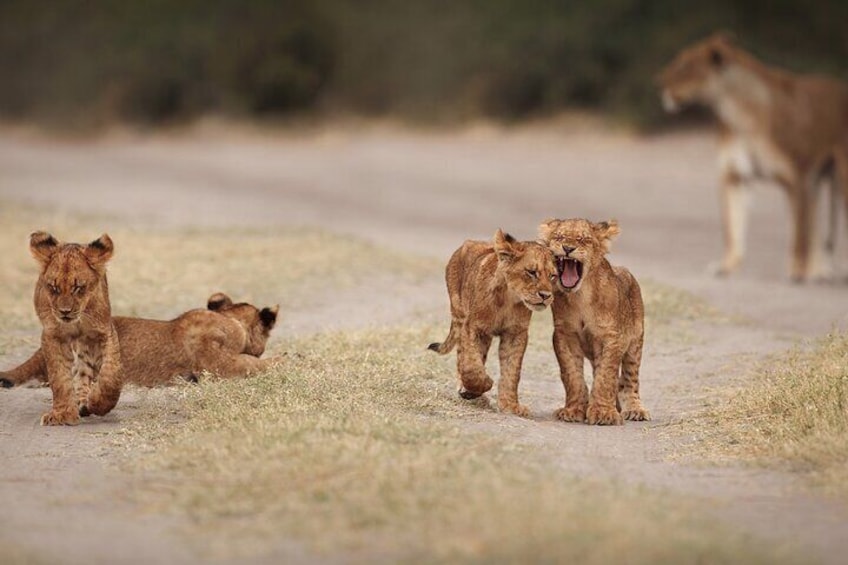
pixel 78 340
pixel 494 289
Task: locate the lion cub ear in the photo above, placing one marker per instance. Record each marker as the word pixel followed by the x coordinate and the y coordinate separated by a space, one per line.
pixel 606 232
pixel 42 245
pixel 546 229
pixel 218 301
pixel 505 246
pixel 99 251
pixel 268 316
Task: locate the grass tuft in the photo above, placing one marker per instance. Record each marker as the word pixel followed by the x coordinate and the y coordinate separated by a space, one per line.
pixel 794 412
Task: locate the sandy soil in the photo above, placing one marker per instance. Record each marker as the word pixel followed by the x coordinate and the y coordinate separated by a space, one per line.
pixel 424 193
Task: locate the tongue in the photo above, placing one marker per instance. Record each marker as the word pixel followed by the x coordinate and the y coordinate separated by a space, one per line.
pixel 569 275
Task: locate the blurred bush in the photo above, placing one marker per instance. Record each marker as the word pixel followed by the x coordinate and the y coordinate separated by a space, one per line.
pixel 156 61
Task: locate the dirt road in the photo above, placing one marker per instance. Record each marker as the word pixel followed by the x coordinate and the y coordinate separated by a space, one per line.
pixel 424 193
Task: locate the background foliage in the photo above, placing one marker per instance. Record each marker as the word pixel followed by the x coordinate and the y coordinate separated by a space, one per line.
pixel 154 61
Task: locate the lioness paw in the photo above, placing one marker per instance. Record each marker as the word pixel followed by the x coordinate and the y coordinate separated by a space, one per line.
pixel 603 416
pixel 571 414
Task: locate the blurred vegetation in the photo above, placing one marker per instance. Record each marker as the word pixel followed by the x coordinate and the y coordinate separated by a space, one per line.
pixel 155 61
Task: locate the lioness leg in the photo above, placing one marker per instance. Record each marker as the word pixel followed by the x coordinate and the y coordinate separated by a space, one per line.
pixel 511 353
pixel 471 363
pixel 570 358
pixel 735 202
pixel 106 389
pixel 602 408
pixel 628 384
pixel 801 202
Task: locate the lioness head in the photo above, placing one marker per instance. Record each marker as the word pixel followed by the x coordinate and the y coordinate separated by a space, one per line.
pixel 578 246
pixel 258 323
pixel 528 268
pixel 694 75
pixel 71 274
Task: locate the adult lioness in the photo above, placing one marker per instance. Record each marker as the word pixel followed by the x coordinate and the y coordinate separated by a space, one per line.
pixel 226 340
pixel 79 342
pixel 599 315
pixel 493 290
pixel 775 126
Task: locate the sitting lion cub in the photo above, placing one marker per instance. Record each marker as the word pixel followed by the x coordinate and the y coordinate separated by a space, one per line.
pixel 493 290
pixel 226 339
pixel 78 339
pixel 598 314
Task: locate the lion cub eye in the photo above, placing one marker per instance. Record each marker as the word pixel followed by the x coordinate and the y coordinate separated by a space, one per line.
pixel 78 289
pixel 53 288
pixel 532 274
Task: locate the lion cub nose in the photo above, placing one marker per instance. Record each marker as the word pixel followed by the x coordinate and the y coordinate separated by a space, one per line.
pixel 64 310
pixel 544 295
pixel 568 249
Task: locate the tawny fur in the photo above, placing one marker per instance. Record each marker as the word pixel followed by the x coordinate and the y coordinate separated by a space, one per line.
pixel 600 318
pixel 493 290
pixel 79 342
pixel 226 340
pixel 775 126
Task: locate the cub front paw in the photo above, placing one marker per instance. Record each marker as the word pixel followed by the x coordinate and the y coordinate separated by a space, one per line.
pixel 571 414
pixel 473 386
pixel 514 408
pixel 637 413
pixel 54 418
pixel 603 416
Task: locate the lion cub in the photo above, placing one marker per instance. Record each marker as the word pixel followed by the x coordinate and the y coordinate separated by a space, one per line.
pixel 78 340
pixel 493 289
pixel 225 339
pixel 598 314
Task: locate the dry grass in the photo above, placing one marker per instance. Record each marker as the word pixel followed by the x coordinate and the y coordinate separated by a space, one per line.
pixel 793 413
pixel 354 446
pixel 160 273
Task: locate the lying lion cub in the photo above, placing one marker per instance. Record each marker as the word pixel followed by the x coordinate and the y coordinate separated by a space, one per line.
pixel 598 314
pixel 226 339
pixel 493 290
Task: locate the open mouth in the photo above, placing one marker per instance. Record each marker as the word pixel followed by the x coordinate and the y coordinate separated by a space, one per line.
pixel 570 271
pixel 669 103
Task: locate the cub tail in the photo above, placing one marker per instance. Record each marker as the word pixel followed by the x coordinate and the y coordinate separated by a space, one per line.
pixel 446 346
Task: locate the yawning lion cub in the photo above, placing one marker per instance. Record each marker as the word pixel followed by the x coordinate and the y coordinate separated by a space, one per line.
pixel 598 313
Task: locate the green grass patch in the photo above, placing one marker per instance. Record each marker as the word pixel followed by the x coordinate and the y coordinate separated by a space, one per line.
pixel 356 445
pixel 793 413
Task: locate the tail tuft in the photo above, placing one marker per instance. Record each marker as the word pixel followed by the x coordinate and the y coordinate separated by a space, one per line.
pixel 435 346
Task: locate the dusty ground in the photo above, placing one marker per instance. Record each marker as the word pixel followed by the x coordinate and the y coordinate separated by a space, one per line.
pixel 423 193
